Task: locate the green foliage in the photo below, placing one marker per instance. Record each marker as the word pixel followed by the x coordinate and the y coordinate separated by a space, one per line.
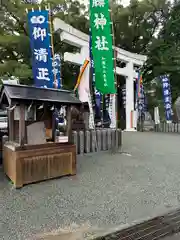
pixel 164 52
pixel 136 25
pixel 15 57
pixel 148 27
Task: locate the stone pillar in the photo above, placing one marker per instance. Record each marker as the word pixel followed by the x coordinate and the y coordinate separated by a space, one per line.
pixel 113 141
pixel 75 140
pixel 87 141
pixel 104 139
pixel 119 138
pixel 130 97
pixel 81 142
pixel 86 120
pixel 109 138
pixel 93 141
pixel 99 140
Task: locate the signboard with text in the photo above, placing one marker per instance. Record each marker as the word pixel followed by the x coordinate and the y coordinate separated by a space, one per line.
pixel 40 40
pixel 102 47
pixel 57 71
pixel 167 97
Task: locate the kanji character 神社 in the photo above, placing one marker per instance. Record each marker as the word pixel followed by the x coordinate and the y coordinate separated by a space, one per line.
pixel 41 54
pixel 39 33
pixel 99 21
pixel 43 74
pixel 101 43
pixel 98 3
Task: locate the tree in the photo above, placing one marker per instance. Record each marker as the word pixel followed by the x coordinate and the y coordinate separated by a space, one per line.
pixel 164 52
pixel 15 57
pixel 140 27
pixel 137 28
pixel 136 25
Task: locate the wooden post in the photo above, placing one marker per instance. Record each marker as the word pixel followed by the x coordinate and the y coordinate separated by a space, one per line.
pixel 11 125
pixel 22 125
pixel 69 124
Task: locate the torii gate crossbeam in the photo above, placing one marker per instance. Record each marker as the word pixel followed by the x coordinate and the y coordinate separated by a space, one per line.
pixel 79 39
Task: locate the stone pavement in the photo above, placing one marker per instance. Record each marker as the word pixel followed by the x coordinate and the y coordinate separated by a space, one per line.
pixel 109 191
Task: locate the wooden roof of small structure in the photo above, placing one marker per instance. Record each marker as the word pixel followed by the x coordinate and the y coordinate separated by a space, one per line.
pixel 14 94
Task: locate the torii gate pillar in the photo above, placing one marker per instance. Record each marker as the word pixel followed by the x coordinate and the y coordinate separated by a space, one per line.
pixel 79 39
pixel 130 111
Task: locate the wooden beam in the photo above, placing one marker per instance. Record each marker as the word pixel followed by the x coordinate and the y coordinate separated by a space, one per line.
pixel 11 124
pixel 69 124
pixel 22 125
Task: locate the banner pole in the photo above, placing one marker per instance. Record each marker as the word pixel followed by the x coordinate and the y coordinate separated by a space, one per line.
pixel 92 87
pixel 115 74
pixel 52 44
pixel 102 111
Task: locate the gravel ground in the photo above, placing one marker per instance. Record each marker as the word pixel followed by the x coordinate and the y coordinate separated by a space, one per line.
pixel 174 237
pixel 108 190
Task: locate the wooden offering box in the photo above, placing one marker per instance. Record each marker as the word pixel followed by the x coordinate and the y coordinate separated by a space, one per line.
pixel 34 163
pixel 27 156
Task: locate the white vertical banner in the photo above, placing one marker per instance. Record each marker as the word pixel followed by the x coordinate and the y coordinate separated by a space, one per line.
pixel 83 88
pixel 112 110
pixel 156 115
pixel 91 113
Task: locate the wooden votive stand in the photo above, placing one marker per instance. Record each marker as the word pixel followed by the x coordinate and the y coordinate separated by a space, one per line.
pixel 24 163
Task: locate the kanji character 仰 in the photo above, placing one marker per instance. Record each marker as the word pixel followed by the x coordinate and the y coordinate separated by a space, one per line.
pixel 39 33
pixel 101 43
pixel 99 21
pixel 41 54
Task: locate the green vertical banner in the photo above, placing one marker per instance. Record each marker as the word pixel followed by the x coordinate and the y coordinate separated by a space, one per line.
pixel 102 46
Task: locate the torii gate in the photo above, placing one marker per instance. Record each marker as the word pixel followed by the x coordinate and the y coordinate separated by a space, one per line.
pixel 79 39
